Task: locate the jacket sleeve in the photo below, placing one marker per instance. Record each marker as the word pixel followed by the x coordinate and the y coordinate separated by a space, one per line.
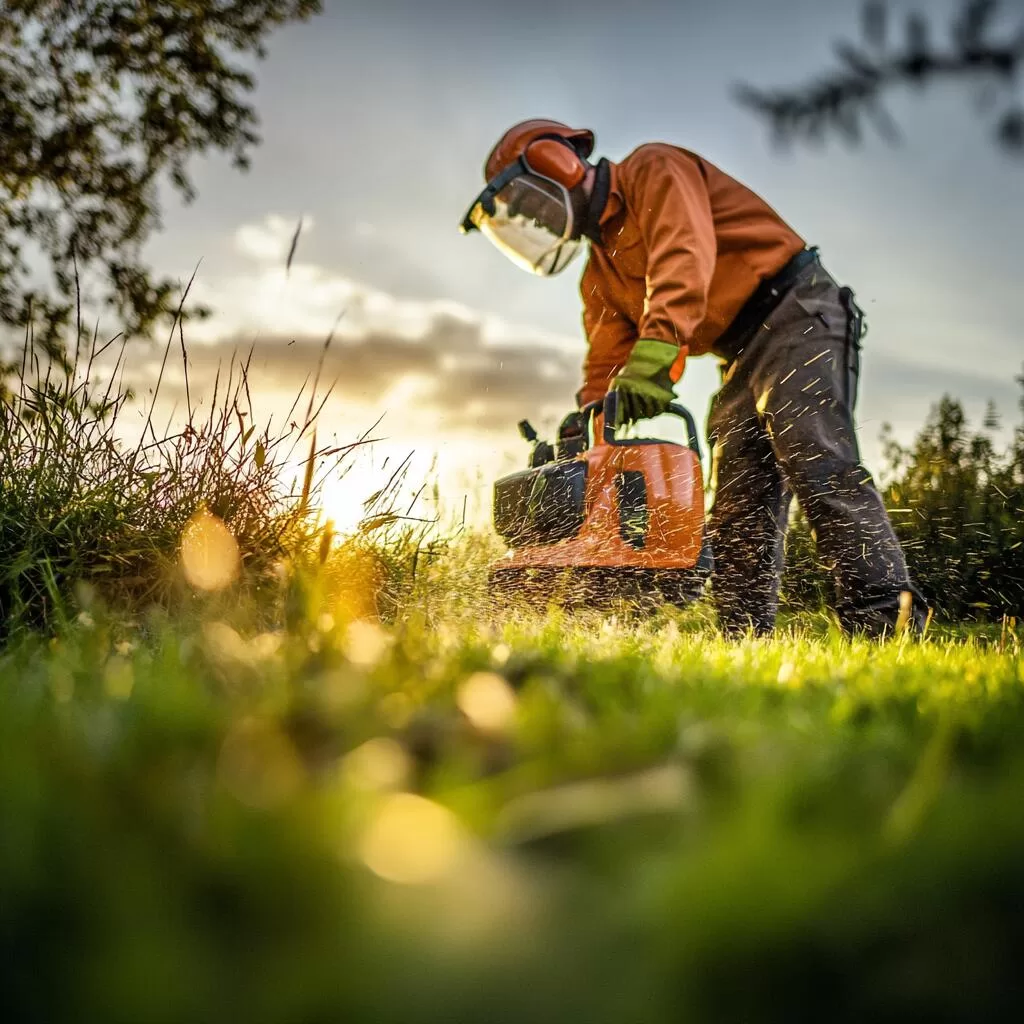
pixel 672 207
pixel 610 339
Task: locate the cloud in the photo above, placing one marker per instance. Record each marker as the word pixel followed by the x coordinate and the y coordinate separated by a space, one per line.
pixel 269 241
pixel 418 361
pixel 449 371
pixel 264 296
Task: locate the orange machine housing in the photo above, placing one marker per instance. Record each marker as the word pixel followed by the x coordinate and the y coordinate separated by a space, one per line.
pixel 617 506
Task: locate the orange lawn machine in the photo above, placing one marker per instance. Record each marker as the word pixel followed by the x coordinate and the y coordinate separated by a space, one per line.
pixel 599 517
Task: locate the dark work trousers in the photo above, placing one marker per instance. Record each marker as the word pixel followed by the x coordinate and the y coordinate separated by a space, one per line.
pixel 782 424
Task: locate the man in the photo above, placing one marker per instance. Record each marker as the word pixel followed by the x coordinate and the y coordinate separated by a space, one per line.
pixel 685 261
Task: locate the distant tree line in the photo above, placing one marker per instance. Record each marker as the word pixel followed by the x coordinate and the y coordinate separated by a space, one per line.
pixel 956 501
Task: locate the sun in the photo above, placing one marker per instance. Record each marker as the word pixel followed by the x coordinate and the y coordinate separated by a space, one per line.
pixel 344 495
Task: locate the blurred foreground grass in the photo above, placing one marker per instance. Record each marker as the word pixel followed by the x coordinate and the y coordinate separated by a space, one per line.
pixel 469 814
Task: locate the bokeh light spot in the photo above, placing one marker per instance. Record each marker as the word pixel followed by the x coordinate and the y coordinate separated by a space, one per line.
pixel 209 553
pixel 223 643
pixel 365 643
pixel 118 678
pixel 412 841
pixel 379 764
pixel 487 700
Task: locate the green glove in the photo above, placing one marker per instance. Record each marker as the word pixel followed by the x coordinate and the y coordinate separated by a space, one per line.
pixel 644 384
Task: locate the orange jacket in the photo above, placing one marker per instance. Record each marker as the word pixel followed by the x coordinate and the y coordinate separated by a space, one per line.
pixel 683 246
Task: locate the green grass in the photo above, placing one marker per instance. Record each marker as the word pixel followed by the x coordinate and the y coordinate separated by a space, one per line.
pixel 468 815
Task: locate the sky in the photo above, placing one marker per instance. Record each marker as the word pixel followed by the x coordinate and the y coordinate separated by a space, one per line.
pixel 376 118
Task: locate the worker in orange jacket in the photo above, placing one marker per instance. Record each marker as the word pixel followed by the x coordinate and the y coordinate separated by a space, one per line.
pixel 686 261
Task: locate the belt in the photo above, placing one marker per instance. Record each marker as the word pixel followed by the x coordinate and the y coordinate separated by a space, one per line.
pixel 757 308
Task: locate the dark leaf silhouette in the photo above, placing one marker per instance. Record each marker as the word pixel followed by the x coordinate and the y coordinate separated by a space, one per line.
pixel 839 100
pixel 970 28
pixel 918 48
pixel 293 247
pixel 1010 131
pixel 100 103
pixel 876 24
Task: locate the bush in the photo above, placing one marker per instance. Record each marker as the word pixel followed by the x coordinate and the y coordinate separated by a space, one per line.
pixel 957 505
pixel 80 507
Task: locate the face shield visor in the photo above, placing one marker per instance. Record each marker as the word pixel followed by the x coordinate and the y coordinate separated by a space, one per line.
pixel 528 217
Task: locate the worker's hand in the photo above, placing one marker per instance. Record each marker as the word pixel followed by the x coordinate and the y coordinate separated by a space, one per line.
pixel 644 384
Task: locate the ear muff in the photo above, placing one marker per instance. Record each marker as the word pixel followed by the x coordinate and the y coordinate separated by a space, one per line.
pixel 557 160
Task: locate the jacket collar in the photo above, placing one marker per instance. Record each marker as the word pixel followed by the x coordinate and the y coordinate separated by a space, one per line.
pixel 616 201
pixel 605 202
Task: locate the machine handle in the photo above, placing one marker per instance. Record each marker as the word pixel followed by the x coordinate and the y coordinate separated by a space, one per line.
pixel 608 408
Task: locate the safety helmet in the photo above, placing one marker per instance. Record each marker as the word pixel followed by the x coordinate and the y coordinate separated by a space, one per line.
pixel 528 209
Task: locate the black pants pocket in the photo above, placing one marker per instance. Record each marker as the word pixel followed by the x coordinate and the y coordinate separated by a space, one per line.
pixel 854 332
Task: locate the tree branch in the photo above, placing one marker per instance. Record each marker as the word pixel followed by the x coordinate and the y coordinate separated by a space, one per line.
pixel 839 101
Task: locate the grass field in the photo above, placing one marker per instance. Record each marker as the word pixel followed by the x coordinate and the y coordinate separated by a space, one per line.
pixel 470 815
pixel 250 771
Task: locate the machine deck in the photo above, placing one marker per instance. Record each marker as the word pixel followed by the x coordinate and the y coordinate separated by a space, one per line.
pixel 599 519
pixel 595 586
